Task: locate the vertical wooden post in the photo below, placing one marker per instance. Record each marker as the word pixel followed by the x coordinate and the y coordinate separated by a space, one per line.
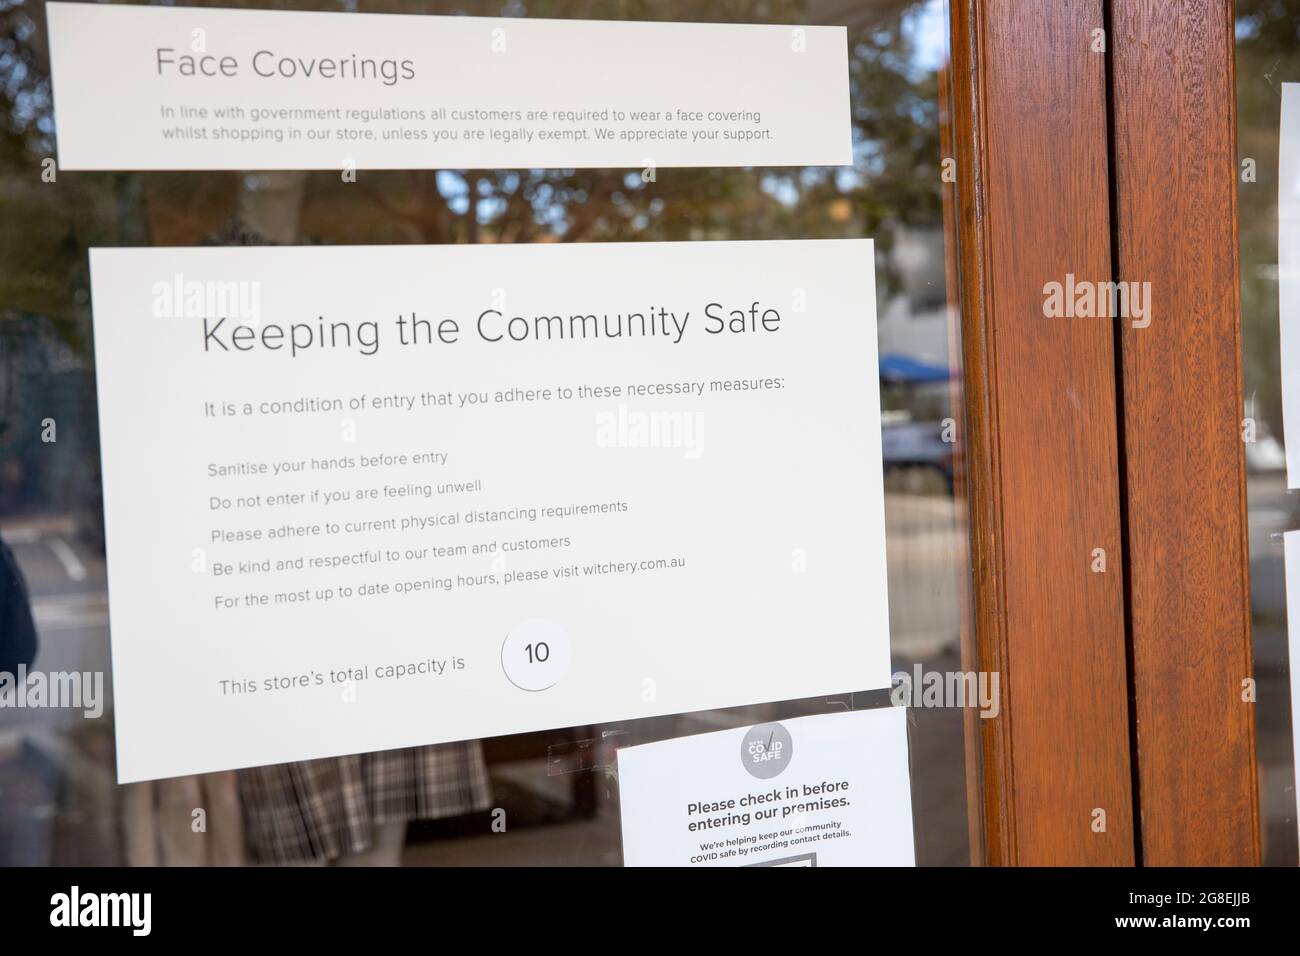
pixel 1176 180
pixel 1030 109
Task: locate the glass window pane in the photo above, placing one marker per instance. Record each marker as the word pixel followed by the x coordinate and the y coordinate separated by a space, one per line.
pixel 59 803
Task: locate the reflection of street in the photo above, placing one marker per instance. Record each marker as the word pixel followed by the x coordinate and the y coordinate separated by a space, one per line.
pixel 1273 511
pixel 57 778
pixel 922 546
pixel 69 603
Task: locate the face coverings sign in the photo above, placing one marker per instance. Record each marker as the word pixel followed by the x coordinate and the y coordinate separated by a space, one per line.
pixel 139 87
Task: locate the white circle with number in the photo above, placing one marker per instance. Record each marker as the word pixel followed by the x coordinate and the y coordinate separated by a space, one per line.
pixel 535 655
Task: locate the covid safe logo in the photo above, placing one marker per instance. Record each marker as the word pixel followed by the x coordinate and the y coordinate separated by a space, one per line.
pixel 766 750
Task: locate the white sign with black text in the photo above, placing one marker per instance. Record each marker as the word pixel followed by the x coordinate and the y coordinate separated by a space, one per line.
pixel 148 87
pixel 827 790
pixel 360 498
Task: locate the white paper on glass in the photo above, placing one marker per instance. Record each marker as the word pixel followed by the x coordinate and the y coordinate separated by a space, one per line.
pixel 1288 261
pixel 1291 543
pixel 719 534
pixel 827 790
pixel 144 87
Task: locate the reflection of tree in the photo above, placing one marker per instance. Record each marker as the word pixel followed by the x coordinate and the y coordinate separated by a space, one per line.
pixel 1268 54
pixel 895 180
pixel 48 227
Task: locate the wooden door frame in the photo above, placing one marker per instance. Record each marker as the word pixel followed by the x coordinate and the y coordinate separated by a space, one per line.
pixel 1175 176
pixel 1121 737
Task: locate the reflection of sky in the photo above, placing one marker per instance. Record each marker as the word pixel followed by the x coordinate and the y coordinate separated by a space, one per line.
pixel 926 25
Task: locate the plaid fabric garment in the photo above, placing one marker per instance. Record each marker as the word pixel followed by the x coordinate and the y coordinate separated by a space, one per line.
pixel 323 809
